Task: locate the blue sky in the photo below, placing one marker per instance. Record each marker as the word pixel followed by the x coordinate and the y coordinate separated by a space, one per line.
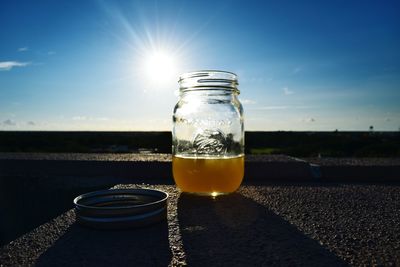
pixel 302 65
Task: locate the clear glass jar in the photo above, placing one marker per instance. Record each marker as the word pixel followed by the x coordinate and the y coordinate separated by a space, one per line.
pixel 208 134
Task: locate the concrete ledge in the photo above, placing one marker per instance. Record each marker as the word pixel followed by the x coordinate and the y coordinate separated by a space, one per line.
pixel 157 167
pixel 116 169
pixel 139 166
pixel 356 169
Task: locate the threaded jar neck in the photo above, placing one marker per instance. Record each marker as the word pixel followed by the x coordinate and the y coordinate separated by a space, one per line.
pixel 209 80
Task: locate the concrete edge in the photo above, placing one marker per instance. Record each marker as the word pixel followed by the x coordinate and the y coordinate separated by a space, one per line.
pixel 360 173
pixel 256 169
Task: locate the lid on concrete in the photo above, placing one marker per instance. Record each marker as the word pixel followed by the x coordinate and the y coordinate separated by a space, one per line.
pixel 121 208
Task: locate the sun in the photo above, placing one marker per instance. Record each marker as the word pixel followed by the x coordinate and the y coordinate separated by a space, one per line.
pixel 160 67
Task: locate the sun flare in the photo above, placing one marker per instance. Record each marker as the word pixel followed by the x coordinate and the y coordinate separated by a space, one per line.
pixel 160 67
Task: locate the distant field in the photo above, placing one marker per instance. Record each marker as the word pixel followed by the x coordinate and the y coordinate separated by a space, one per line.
pixel 300 144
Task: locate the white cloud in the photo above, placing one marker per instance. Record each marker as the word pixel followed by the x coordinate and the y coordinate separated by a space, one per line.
pixel 308 120
pixel 9 122
pixel 247 101
pixel 79 118
pixel 273 107
pixel 102 119
pixel 8 65
pixel 31 123
pixel 89 118
pixel 286 91
pixel 23 49
pixel 280 107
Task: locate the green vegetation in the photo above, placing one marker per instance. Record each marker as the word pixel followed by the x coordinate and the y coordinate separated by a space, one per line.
pixel 265 151
pixel 326 144
pixel 299 144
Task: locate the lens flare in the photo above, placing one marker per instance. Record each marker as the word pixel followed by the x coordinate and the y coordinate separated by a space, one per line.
pixel 160 67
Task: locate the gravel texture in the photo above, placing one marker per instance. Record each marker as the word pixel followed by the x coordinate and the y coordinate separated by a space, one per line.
pixel 123 157
pixel 311 224
pixel 86 156
pixel 354 161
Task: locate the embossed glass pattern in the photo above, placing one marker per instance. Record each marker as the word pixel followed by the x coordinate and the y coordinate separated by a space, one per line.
pixel 208 133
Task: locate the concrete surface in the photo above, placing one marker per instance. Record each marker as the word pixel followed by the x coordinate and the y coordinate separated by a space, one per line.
pixel 290 211
pixel 138 166
pixel 150 166
pixel 356 169
pixel 309 224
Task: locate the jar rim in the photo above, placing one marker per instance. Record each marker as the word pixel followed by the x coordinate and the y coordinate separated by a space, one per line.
pixel 206 73
pixel 204 79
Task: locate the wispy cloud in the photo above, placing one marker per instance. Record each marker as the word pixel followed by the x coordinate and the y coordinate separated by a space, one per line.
pixel 86 118
pixel 23 49
pixel 79 118
pixel 102 119
pixel 297 70
pixel 281 107
pixel 9 122
pixel 273 107
pixel 50 53
pixel 247 101
pixel 308 120
pixel 286 91
pixel 31 123
pixel 8 65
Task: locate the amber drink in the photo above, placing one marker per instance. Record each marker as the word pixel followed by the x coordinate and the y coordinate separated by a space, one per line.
pixel 208 134
pixel 208 175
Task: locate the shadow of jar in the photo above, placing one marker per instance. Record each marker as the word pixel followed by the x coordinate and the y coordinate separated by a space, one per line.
pixel 233 230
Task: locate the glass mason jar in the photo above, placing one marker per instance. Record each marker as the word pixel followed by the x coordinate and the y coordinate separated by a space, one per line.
pixel 208 134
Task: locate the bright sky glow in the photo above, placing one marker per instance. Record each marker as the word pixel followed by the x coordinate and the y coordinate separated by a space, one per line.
pixel 114 65
pixel 160 67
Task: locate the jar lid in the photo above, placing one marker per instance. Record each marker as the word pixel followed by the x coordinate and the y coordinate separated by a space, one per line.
pixel 121 208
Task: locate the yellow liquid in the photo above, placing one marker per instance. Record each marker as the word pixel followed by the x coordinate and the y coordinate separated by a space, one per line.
pixel 208 175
